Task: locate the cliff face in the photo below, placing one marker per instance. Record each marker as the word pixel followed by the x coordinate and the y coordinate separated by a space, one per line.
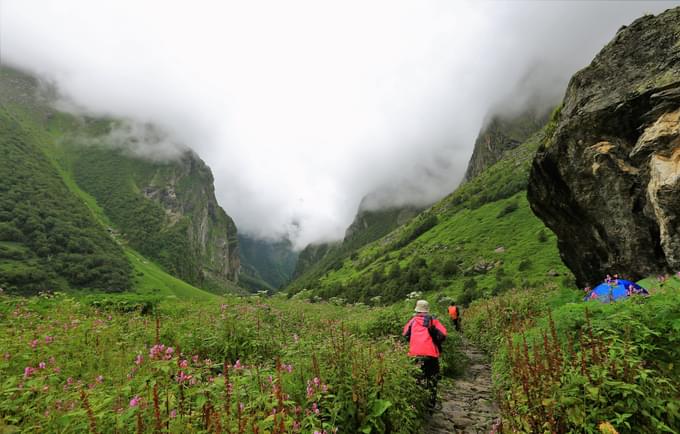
pixel 166 210
pixel 501 134
pixel 185 190
pixel 607 181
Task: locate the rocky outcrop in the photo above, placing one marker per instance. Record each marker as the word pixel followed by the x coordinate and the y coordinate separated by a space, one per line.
pixel 185 190
pixel 500 134
pixel 607 181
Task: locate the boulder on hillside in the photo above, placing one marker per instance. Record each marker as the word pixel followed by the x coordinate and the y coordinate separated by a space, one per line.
pixel 607 181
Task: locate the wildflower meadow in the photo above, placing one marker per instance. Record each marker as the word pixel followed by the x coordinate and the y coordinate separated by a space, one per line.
pixel 235 366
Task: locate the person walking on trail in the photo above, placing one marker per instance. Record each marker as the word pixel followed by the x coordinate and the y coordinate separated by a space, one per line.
pixel 454 314
pixel 425 335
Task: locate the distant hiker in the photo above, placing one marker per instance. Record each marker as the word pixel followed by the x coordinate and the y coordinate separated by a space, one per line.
pixel 454 314
pixel 425 335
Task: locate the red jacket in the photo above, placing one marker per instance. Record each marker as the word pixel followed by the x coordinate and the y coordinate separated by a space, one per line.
pixel 420 343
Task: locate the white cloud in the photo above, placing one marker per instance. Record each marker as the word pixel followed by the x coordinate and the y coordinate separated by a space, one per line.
pixel 303 107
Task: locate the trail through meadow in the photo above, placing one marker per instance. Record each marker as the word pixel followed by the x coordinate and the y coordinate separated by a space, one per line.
pixel 467 403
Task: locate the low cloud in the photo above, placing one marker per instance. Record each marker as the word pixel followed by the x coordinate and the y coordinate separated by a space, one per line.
pixel 302 108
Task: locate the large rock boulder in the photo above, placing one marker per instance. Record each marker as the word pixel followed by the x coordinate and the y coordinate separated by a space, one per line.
pixel 607 181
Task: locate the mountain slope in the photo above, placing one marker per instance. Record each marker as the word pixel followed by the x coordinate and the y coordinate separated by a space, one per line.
pixel 266 265
pixel 48 238
pixel 368 225
pixel 165 209
pixel 480 240
pixel 501 134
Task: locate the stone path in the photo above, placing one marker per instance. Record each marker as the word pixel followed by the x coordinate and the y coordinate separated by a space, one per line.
pixel 467 405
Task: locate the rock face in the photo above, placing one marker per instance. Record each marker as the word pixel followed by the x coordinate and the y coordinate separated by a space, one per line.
pixel 185 190
pixel 607 181
pixel 501 134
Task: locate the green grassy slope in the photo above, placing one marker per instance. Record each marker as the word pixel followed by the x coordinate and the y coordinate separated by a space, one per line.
pixel 481 240
pixel 50 239
pixel 54 235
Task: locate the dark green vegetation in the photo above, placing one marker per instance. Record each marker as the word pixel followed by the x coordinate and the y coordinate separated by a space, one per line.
pixel 265 265
pixel 49 240
pixel 131 192
pixel 479 241
pixel 72 201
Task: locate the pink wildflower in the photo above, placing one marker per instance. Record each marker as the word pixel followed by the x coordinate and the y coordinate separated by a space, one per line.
pixel 34 343
pixel 238 365
pixel 182 377
pixel 194 359
pixel 315 408
pixel 134 401
pixel 42 365
pixel 184 364
pixel 49 339
pixel 173 414
pixel 28 371
pixel 139 359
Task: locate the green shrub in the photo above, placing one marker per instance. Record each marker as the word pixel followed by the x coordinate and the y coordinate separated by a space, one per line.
pixel 507 209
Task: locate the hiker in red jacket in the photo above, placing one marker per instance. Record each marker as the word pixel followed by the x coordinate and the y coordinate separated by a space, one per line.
pixel 425 335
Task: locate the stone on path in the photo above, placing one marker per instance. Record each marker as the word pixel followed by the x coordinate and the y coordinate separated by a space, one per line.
pixel 468 405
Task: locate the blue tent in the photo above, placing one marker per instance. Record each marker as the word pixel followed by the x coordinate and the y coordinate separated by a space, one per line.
pixel 614 290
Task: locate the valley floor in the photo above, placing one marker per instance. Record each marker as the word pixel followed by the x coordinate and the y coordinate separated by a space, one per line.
pixel 467 405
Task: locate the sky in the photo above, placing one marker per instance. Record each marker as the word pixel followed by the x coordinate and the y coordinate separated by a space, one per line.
pixel 302 108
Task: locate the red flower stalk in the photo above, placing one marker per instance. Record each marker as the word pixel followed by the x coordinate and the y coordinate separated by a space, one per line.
pixel 156 409
pixel 90 414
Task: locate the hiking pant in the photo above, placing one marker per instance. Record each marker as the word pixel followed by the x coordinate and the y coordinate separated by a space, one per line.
pixel 456 323
pixel 430 370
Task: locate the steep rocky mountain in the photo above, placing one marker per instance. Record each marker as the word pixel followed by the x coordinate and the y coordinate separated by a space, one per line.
pixel 368 225
pixel 501 133
pixel 266 264
pixel 607 180
pixel 164 208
